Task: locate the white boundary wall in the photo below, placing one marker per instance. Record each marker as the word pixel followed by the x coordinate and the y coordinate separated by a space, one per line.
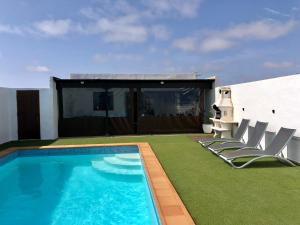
pixel 259 98
pixel 48 113
pixel 8 115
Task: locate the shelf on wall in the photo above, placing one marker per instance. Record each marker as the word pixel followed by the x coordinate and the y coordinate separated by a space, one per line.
pixel 220 129
pixel 223 121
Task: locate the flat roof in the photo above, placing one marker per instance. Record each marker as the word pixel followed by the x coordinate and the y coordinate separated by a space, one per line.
pixel 109 76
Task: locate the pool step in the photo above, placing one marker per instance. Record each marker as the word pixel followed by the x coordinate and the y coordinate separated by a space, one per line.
pixel 121 162
pixel 104 167
pixel 129 156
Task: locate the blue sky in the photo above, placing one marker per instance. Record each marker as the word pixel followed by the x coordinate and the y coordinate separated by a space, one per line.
pixel 235 40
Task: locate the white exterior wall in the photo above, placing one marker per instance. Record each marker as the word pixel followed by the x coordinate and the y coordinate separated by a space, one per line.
pixel 259 98
pixel 49 112
pixel 8 115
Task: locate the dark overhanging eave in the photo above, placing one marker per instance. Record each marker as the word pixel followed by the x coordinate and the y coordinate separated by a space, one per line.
pixel 149 83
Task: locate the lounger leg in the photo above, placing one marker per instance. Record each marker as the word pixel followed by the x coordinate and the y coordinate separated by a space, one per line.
pixel 257 158
pixel 284 160
pixel 247 163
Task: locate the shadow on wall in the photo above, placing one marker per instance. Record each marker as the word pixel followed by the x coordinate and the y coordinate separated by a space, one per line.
pixel 293 149
pixel 26 143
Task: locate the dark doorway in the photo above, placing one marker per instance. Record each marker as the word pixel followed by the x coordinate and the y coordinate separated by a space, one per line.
pixel 28 114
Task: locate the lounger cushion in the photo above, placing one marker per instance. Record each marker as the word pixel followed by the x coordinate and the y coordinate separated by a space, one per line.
pixel 242 153
pixel 227 146
pixel 206 142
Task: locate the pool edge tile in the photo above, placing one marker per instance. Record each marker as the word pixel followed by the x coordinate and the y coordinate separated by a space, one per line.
pixel 162 188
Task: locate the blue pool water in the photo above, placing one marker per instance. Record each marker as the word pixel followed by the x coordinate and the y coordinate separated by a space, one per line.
pixel 75 186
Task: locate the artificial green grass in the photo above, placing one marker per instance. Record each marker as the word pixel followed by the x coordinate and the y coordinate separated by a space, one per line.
pixel 213 192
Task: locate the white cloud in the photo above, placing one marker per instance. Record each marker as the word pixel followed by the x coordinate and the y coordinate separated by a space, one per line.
pixel 89 13
pixel 54 28
pixel 276 12
pixel 160 32
pixel 260 30
pixel 108 8
pixel 124 29
pixel 38 69
pixel 278 65
pixel 147 8
pixel 108 57
pixel 215 44
pixel 119 29
pixel 187 44
pixel 187 8
pixel 223 39
pixel 123 21
pixel 8 29
pixel 117 21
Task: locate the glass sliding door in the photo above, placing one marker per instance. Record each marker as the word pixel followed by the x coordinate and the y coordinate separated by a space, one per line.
pixel 120 111
pixel 96 111
pixel 84 112
pixel 170 110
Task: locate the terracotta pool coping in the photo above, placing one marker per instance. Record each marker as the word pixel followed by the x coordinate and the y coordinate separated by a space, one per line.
pixel 170 208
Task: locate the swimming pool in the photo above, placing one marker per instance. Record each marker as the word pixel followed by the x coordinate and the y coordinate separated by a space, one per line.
pixel 102 185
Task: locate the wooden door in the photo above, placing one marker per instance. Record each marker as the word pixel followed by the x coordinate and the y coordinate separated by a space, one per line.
pixel 28 107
